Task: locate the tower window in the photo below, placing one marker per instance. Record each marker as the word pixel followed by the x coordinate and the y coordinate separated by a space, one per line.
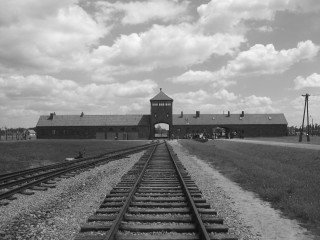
pixel 155 115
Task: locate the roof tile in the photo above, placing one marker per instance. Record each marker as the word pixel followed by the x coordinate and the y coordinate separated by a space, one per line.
pixel 94 120
pixel 161 96
pixel 222 119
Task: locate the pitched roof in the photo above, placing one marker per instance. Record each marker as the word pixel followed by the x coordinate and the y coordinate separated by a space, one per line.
pixel 233 119
pixel 93 120
pixel 161 96
pixel 144 120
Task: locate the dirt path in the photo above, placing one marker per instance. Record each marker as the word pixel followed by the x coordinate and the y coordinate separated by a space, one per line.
pixel 245 214
pixel 274 143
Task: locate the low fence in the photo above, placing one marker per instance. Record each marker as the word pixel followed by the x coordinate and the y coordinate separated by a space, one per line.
pixel 16 137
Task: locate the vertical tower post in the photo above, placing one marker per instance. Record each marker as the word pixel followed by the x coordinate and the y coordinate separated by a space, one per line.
pixel 308 124
pixel 306 99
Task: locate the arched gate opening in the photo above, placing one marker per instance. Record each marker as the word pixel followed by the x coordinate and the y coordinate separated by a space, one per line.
pixel 161 130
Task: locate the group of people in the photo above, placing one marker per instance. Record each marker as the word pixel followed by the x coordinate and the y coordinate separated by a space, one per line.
pixel 215 135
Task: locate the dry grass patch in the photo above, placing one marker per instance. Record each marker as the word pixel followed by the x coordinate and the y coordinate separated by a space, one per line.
pixel 288 178
pixel 20 155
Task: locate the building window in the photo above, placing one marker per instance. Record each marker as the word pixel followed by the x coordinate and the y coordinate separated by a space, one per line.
pixel 53 132
pixel 167 115
pixel 168 104
pixel 155 115
pixel 155 104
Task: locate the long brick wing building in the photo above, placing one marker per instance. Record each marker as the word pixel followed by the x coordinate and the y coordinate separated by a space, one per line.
pixel 130 127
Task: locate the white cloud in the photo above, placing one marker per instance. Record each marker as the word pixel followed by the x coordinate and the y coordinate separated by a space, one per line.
pixel 257 104
pixel 311 81
pixel 258 60
pixel 222 100
pixel 133 88
pixel 200 77
pixel 228 16
pixel 304 6
pixel 124 109
pixel 37 94
pixel 265 29
pixel 255 101
pixel 166 46
pixel 191 98
pixel 261 59
pixel 223 94
pixel 231 15
pixel 138 12
pixel 194 77
pixel 46 36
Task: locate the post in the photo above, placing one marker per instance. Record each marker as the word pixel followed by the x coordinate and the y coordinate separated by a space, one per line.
pixel 304 112
pixel 308 123
pixel 312 126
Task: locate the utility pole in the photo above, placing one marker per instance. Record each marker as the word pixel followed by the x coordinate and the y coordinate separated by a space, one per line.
pixel 306 107
pixel 312 127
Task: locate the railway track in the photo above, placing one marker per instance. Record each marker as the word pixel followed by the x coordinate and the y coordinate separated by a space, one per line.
pixel 156 199
pixel 42 178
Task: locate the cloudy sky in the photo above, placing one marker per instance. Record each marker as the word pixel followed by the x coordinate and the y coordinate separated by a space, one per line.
pixel 111 57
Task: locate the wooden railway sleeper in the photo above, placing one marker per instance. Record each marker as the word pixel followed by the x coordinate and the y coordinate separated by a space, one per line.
pixel 157 194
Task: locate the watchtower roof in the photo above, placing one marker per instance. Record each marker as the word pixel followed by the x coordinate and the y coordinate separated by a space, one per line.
pixel 161 96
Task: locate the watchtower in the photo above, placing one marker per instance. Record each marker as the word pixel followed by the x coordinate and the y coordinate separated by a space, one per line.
pixel 161 112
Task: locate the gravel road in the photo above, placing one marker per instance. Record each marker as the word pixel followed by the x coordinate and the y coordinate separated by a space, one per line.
pixel 274 143
pixel 58 212
pixel 247 216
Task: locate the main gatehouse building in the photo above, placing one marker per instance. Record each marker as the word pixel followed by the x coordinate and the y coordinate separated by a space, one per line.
pixel 143 126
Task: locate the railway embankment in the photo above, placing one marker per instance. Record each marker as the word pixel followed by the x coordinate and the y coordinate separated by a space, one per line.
pixel 58 212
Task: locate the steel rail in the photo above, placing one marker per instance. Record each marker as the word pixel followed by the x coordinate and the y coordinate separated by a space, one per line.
pixel 50 175
pixel 54 170
pixel 116 223
pixel 8 176
pixel 14 175
pixel 204 235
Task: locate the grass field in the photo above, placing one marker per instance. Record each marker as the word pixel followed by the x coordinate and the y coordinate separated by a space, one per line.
pixel 19 155
pixel 288 178
pixel 290 139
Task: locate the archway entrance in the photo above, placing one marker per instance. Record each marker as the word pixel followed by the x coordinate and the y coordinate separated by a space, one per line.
pixel 161 130
pixel 221 132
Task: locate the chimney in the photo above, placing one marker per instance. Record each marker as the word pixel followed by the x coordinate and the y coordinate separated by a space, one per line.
pixel 51 115
pixel 242 114
pixel 228 114
pixel 197 114
pixel 181 115
pixel 82 114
